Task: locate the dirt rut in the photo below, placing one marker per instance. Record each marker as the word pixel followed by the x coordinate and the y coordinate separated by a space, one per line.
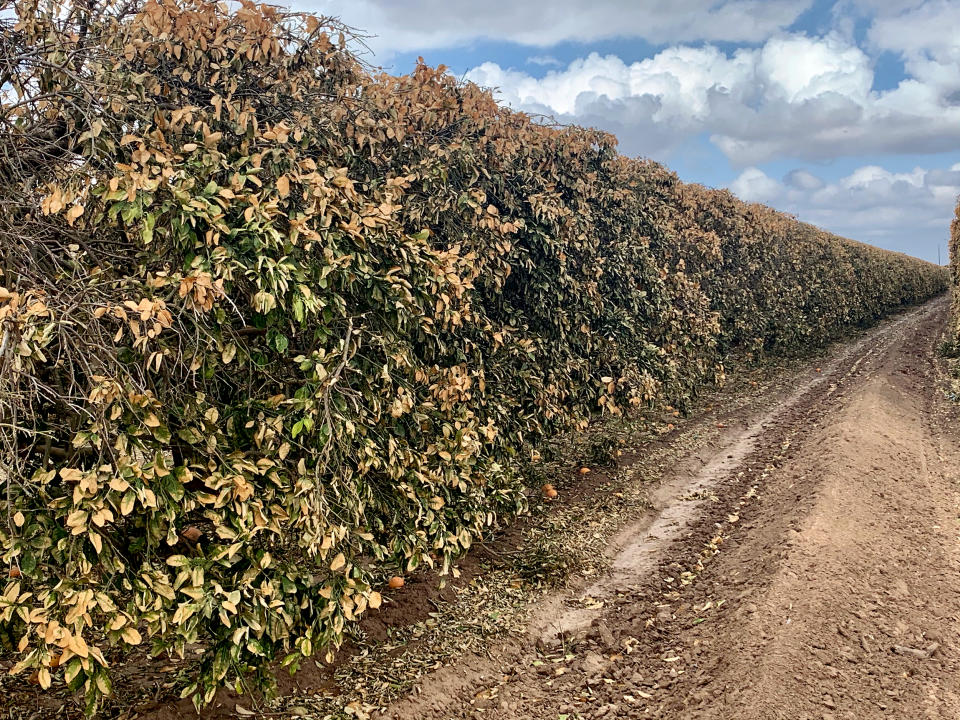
pixel 816 575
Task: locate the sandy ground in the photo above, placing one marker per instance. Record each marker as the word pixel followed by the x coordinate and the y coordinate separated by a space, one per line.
pixel 807 567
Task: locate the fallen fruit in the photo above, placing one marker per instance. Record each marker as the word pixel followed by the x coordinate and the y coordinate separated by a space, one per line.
pixel 15 572
pixel 547 487
pixel 191 534
pixel 669 426
pixel 550 494
pixel 584 470
pixel 396 582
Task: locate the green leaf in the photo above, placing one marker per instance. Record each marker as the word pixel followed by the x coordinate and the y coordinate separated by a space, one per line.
pixel 149 221
pixel 162 434
pixel 130 212
pixel 72 675
pixel 189 435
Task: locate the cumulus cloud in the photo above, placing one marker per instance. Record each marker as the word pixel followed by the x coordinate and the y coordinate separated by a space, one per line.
pixel 756 186
pixel 910 211
pixel 802 180
pixel 426 24
pixel 794 95
pixel 917 29
pixel 926 38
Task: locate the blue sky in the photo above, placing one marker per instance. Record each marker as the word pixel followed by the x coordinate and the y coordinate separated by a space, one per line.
pixel 843 112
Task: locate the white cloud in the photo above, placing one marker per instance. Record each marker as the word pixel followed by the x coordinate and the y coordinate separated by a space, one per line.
pixel 426 24
pixel 650 105
pixel 917 29
pixel 909 211
pixel 756 186
pixel 793 96
pixel 927 39
pixel 544 61
pixel 803 180
pixel 797 69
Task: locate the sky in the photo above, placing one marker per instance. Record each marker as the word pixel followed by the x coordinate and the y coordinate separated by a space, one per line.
pixel 845 113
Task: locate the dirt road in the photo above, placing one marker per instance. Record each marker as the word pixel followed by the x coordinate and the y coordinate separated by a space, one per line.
pixel 808 567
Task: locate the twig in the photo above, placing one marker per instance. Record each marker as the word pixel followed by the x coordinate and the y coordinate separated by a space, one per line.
pixel 327 415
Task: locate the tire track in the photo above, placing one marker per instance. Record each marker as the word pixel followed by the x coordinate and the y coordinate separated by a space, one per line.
pixel 815 575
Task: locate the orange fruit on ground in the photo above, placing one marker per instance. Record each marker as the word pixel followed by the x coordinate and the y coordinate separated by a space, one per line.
pixel 550 494
pixel 14 572
pixel 191 534
pixel 669 426
pixel 546 487
pixel 396 582
pixel 584 470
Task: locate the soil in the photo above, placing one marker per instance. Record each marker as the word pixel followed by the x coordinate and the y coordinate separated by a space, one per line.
pixel 814 573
